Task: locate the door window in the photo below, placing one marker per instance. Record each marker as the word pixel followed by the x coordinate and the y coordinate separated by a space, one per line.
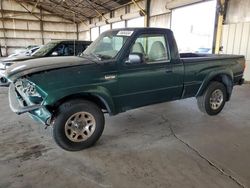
pixel 151 47
pixel 64 50
pixel 80 48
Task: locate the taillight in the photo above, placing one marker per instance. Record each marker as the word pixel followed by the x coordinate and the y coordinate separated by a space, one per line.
pixel 241 61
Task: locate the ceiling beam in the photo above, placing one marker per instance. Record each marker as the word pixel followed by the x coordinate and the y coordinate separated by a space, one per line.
pixel 99 4
pixel 77 10
pixel 69 9
pixel 96 10
pixel 48 10
pixel 28 10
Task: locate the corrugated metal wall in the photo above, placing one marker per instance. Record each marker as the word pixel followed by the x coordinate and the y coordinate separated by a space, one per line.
pixel 236 40
pixel 159 17
pixel 19 28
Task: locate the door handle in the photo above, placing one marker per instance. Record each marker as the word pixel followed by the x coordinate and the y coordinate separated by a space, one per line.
pixel 169 70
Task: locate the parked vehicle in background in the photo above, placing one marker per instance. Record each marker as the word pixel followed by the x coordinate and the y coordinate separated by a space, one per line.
pixel 51 49
pixel 204 50
pixel 27 52
pixel 62 48
pixel 123 69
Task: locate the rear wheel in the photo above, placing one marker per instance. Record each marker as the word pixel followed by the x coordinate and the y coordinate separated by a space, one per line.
pixel 213 99
pixel 78 125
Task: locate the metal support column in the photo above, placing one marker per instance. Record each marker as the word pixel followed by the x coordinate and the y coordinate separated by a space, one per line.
pixel 147 17
pixel 41 26
pixel 142 12
pixel 77 31
pixel 4 31
pixel 220 16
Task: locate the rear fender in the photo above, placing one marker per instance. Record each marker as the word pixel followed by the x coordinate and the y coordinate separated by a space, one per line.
pixel 225 76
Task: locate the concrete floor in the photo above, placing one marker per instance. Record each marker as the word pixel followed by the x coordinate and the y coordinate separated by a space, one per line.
pixel 166 145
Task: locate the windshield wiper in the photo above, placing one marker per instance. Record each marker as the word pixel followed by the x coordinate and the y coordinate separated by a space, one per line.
pixel 96 56
pixel 102 56
pixel 89 57
pixel 99 57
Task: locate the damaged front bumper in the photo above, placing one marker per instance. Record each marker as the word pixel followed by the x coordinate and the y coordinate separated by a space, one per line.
pixel 18 105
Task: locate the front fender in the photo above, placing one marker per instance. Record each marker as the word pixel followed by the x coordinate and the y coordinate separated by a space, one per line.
pixel 210 76
pixel 99 92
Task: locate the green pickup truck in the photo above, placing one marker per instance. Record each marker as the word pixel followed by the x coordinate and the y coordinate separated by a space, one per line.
pixel 123 69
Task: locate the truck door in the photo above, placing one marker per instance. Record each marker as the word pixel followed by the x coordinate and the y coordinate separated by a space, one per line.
pixel 157 78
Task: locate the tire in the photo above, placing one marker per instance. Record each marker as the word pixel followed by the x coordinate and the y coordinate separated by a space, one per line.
pixel 78 125
pixel 211 102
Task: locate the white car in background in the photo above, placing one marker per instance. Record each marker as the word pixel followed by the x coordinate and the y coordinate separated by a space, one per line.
pixel 21 53
pixel 25 52
pixel 51 49
pixel 204 50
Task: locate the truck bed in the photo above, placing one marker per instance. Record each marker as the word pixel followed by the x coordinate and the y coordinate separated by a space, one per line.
pixel 195 57
pixel 198 66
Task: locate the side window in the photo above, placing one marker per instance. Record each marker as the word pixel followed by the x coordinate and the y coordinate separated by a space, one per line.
pixel 152 47
pixel 68 50
pixel 58 50
pixel 64 50
pixel 81 48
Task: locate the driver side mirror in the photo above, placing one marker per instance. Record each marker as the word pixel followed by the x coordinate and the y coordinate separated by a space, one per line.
pixel 134 58
pixel 55 54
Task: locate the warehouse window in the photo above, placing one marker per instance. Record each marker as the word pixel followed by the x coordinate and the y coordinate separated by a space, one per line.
pixel 162 21
pixel 193 27
pixel 104 28
pixel 117 25
pixel 94 33
pixel 136 22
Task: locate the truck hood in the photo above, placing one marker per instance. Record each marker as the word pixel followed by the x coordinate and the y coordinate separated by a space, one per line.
pixel 14 59
pixel 42 64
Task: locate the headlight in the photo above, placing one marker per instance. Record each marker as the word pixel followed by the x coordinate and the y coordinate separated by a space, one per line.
pixel 28 90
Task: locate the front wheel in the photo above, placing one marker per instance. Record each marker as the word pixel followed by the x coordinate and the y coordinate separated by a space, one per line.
pixel 213 99
pixel 78 125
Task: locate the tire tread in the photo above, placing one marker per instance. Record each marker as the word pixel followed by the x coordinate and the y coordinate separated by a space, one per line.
pixel 203 99
pixel 58 125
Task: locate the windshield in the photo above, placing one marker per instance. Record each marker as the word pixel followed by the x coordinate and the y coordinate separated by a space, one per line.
pixel 107 45
pixel 44 50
